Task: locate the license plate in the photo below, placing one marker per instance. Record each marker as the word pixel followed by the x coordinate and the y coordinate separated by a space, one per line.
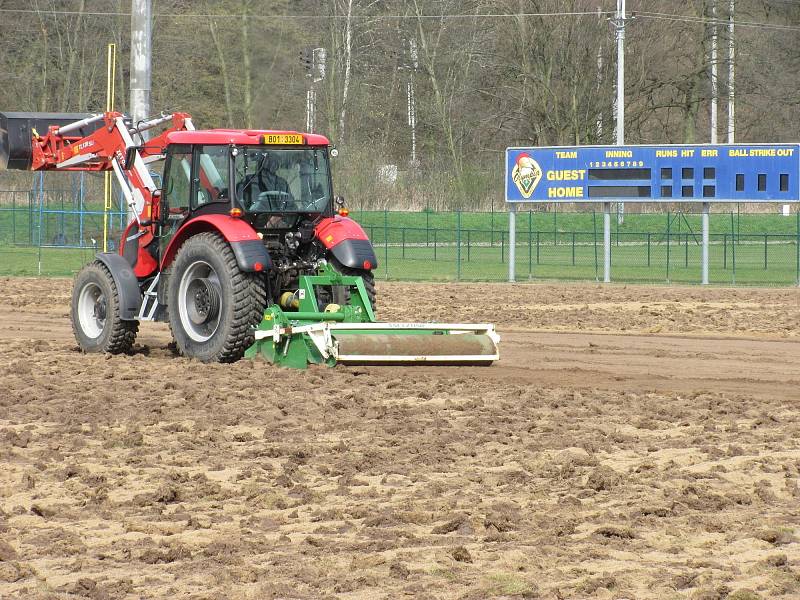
pixel 283 138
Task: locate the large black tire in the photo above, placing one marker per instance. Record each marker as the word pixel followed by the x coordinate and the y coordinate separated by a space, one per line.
pixel 95 312
pixel 341 294
pixel 213 305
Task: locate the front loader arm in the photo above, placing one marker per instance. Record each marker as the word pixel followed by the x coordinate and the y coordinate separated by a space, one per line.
pixel 106 149
pixel 111 147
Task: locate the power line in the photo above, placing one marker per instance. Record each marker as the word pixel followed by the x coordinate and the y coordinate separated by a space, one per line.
pixel 593 13
pixel 720 22
pixel 645 15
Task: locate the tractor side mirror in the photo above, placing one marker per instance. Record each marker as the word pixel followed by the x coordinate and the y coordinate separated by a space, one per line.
pixel 339 201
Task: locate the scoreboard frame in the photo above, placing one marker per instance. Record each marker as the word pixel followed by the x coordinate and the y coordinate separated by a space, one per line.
pixel 654 173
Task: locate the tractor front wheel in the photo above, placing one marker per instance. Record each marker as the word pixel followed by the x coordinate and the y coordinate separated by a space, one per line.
pixel 95 312
pixel 213 305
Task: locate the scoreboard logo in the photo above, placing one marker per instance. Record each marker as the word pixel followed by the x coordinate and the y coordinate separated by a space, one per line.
pixel 526 174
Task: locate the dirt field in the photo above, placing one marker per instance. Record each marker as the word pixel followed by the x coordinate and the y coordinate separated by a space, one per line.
pixel 632 443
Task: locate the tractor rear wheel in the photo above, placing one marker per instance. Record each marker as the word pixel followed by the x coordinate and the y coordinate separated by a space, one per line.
pixel 213 305
pixel 95 312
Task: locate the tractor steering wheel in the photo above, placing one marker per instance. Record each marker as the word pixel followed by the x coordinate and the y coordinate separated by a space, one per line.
pixel 268 196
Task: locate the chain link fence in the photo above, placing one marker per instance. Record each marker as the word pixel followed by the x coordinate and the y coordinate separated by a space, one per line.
pixel 55 232
pixel 744 248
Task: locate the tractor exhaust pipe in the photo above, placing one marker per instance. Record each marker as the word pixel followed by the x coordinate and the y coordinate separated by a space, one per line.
pixel 16 131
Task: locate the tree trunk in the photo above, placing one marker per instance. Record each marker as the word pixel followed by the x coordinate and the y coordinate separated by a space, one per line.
pixel 248 77
pixel 223 67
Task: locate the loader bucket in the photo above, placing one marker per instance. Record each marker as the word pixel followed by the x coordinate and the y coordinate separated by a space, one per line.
pixel 16 132
pixel 300 333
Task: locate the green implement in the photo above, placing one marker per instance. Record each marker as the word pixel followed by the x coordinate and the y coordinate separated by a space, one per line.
pixel 298 331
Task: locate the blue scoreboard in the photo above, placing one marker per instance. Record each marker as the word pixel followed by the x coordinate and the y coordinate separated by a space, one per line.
pixel 671 173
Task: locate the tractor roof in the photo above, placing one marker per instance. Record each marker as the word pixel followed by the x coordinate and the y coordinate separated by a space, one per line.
pixel 239 136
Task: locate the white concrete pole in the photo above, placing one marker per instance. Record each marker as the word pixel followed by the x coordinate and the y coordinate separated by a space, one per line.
pixel 714 86
pixel 141 60
pixel 731 73
pixel 619 26
pixel 141 52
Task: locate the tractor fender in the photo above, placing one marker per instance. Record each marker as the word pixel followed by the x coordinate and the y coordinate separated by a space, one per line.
pixel 347 241
pixel 251 254
pixel 130 297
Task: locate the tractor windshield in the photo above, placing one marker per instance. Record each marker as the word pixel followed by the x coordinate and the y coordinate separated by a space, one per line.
pixel 282 180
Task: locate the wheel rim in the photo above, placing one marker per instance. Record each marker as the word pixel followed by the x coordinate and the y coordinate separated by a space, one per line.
pixel 92 309
pixel 200 301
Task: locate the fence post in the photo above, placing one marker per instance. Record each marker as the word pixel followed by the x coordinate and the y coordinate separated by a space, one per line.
pixel 502 247
pixel 724 251
pixel 14 217
pixel 555 225
pixel 686 250
pixel 668 224
pixel 386 242
pixel 733 248
pixel 458 245
pixel 573 248
pixel 530 244
pixel 530 255
pixel 594 229
pixel 427 228
pixel 648 249
pixel 765 251
pixel 468 245
pixel 434 244
pixel 537 246
pixel 403 234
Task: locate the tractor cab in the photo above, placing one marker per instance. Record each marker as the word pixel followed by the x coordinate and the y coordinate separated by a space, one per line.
pixel 268 179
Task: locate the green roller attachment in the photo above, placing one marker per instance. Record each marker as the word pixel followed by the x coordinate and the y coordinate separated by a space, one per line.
pixel 304 333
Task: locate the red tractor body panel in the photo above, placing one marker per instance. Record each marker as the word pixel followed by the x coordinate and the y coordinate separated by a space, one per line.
pixel 230 228
pixel 347 241
pixel 331 231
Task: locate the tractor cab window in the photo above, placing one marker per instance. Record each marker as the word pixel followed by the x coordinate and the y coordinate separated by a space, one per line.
pixel 176 184
pixel 210 175
pixel 282 180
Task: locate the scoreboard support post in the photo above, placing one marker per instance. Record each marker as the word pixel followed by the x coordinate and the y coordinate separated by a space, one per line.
pixel 606 242
pixel 512 241
pixel 704 258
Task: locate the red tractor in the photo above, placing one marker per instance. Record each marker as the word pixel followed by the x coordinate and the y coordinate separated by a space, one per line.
pixel 236 218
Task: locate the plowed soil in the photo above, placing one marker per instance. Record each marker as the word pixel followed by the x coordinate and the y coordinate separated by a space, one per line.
pixel 631 443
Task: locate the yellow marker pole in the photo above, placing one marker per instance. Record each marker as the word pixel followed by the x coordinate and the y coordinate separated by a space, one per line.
pixel 111 70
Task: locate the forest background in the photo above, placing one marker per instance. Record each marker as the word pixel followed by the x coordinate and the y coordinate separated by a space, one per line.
pixel 485 75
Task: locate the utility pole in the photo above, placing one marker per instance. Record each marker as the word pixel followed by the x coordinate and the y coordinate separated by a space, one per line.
pixel 141 59
pixel 412 99
pixel 619 30
pixel 714 86
pixel 730 74
pixel 599 83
